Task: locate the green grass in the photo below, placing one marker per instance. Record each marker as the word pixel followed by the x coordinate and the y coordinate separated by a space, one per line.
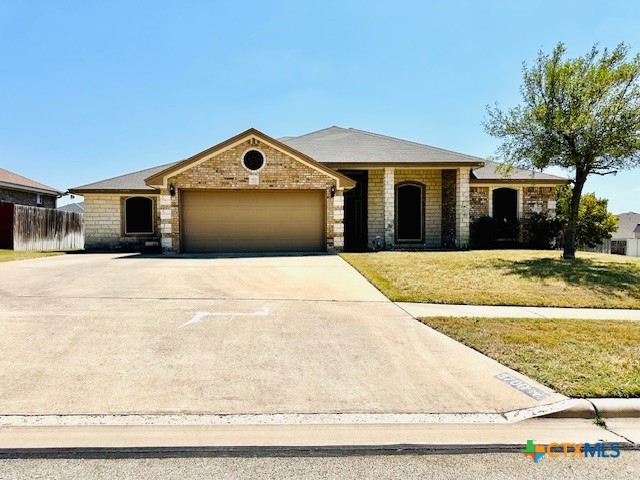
pixel 503 277
pixel 578 358
pixel 11 255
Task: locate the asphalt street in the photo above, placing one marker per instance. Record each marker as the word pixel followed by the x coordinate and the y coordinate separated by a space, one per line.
pixel 464 466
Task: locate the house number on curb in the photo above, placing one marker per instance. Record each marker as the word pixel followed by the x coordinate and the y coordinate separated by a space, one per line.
pixel 524 387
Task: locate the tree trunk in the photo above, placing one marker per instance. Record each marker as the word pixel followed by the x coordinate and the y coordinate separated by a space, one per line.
pixel 570 234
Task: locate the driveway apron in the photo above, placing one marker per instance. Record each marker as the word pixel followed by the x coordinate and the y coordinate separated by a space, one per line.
pixel 125 334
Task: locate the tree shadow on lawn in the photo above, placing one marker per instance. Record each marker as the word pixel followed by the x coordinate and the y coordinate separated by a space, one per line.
pixel 604 278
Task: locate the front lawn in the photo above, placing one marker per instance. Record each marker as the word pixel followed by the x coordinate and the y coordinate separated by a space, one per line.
pixel 578 358
pixel 503 277
pixel 11 255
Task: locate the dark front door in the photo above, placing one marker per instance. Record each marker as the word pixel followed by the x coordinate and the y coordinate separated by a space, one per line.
pixel 505 211
pixel 355 213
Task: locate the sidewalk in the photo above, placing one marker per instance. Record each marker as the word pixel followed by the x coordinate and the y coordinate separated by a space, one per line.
pixel 440 310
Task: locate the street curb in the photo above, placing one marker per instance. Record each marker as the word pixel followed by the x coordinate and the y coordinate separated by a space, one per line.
pixel 267 451
pixel 600 408
pixel 617 407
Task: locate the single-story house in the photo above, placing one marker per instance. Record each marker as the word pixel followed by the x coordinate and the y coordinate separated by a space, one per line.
pixel 20 190
pixel 328 190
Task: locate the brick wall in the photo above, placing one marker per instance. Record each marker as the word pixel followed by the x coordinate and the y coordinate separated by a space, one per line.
pixel 20 197
pixel 479 202
pixel 539 200
pixel 104 223
pixel 449 202
pixel 531 199
pixel 225 171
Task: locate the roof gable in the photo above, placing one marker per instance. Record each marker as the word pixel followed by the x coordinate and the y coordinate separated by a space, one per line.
pixel 159 179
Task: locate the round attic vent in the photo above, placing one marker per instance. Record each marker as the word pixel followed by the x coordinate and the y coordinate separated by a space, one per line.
pixel 253 160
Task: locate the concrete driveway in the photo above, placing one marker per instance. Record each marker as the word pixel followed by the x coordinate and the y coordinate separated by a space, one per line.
pixel 99 334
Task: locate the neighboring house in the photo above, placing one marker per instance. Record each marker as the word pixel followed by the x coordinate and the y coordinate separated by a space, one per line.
pixel 73 207
pixel 626 239
pixel 328 190
pixel 21 190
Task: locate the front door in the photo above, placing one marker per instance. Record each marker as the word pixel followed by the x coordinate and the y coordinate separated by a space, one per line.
pixel 355 212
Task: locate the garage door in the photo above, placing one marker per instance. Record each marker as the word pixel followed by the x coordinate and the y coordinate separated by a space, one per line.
pixel 253 221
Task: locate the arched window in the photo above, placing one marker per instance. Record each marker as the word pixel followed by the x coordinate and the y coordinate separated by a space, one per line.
pixel 138 215
pixel 409 212
pixel 505 210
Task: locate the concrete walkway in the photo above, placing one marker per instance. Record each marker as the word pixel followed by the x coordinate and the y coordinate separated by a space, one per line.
pixel 438 310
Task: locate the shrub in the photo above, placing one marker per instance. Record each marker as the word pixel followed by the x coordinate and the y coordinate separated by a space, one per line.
pixel 484 231
pixel 542 232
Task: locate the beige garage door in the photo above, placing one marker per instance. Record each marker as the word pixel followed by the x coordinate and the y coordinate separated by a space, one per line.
pixel 253 221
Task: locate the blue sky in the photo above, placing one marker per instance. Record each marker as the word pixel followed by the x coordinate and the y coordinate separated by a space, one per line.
pixel 90 90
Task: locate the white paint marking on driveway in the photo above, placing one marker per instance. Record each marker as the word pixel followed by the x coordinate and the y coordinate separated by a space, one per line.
pixel 197 318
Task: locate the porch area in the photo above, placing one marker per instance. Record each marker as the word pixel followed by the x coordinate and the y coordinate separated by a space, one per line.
pixel 407 208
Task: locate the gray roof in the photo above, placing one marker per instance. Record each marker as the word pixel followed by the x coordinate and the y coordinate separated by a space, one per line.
pixel 73 207
pixel 491 171
pixel 336 145
pixel 627 223
pixel 130 181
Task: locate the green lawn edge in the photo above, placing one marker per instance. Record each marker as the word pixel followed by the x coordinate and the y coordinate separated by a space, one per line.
pixel 13 255
pixel 577 358
pixel 503 277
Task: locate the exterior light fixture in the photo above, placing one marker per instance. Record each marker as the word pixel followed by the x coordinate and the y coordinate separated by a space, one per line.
pixel 172 190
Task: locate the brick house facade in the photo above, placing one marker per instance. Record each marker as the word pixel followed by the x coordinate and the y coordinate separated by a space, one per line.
pixel 329 190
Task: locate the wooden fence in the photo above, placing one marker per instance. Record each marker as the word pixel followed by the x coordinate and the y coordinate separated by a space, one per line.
pixel 36 228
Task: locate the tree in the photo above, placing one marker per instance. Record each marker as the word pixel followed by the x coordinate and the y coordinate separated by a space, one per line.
pixel 581 114
pixel 594 222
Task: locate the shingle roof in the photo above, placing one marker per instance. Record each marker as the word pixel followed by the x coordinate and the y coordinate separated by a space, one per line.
pixel 627 223
pixel 491 172
pixel 336 145
pixel 132 182
pixel 13 179
pixel 73 207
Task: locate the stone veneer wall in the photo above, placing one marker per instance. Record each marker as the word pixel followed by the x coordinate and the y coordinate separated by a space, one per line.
pixel 375 209
pixel 104 223
pixel 20 197
pixel 431 179
pixel 225 171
